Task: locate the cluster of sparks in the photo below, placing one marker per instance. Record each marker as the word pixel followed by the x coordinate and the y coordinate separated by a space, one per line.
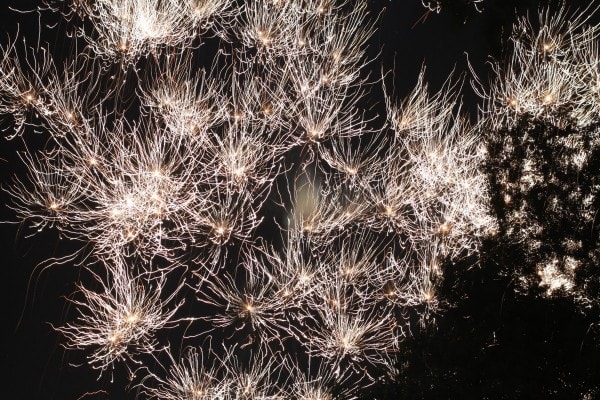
pixel 172 202
pixel 439 5
pixel 544 109
pixel 553 66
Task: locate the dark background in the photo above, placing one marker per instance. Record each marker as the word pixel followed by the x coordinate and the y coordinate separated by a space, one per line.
pixel 489 344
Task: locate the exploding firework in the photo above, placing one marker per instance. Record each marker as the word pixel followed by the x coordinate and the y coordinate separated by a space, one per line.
pixel 168 176
pixel 542 108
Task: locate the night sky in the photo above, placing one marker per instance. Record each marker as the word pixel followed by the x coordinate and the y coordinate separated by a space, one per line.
pixel 490 343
